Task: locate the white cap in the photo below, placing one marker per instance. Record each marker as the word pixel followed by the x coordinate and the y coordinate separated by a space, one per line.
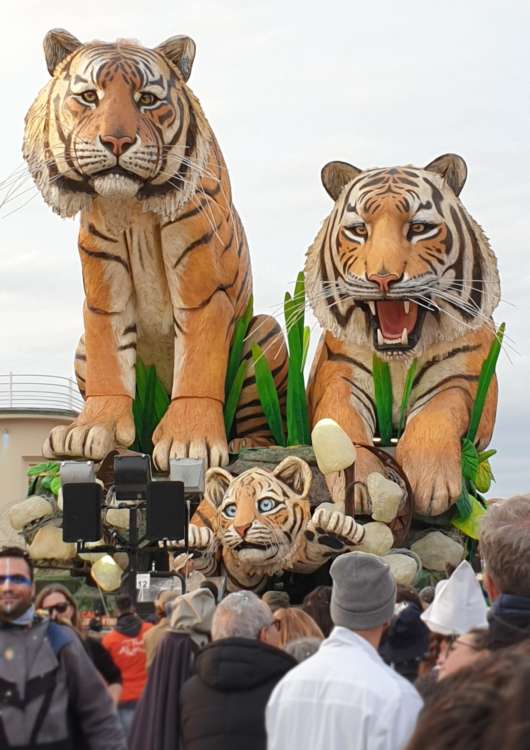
pixel 458 605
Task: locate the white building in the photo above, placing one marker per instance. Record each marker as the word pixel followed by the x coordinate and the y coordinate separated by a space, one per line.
pixel 30 406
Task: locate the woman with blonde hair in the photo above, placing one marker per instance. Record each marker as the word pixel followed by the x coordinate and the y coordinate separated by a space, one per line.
pixel 292 624
pixel 56 602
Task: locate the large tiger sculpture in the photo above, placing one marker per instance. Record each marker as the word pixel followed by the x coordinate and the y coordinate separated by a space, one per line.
pixel 400 269
pixel 259 523
pixel 117 135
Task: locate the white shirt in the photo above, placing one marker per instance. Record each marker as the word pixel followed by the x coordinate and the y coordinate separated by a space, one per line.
pixel 342 698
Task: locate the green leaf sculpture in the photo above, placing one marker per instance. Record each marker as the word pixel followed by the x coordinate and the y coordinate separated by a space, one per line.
pixel 268 395
pixel 149 406
pixel 383 399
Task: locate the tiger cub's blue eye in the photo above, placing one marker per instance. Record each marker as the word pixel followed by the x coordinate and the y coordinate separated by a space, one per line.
pixel 266 504
pixel 230 510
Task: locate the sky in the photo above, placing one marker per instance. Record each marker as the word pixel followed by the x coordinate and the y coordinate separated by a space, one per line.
pixel 287 87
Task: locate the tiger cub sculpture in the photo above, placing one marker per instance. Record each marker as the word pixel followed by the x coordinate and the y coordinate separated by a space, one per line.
pixel 399 269
pixel 117 135
pixel 260 523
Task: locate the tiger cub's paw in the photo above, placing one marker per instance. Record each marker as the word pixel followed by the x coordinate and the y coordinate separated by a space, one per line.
pixel 335 529
pixel 200 537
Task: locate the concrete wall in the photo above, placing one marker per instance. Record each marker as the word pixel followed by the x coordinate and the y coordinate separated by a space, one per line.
pixel 22 434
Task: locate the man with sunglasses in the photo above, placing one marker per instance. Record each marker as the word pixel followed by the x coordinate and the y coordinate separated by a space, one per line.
pixel 50 693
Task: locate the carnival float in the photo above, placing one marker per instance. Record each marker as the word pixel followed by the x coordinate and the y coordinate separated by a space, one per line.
pixel 384 449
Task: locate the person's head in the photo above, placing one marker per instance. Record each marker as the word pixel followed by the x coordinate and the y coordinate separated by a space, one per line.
pixel 469 709
pixel 291 624
pixel 406 642
pixel 241 615
pixel 16 583
pixel 461 651
pixel 505 547
pixel 426 596
pixel 302 648
pixel 316 604
pixel 363 594
pixel 276 599
pixel 59 604
pixel 124 604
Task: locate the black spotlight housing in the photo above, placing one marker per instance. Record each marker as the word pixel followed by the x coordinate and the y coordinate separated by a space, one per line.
pixel 167 513
pixel 131 476
pixel 82 512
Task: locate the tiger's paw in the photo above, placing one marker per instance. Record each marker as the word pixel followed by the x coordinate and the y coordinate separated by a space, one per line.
pixel 366 463
pixel 434 472
pixel 191 428
pixel 334 528
pixel 106 421
pixel 200 537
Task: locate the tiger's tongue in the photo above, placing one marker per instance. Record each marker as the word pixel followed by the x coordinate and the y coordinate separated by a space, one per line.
pixel 393 318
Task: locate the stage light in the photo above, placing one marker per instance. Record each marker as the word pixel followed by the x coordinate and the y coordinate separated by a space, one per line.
pixel 82 512
pixel 167 513
pixel 189 471
pixel 77 472
pixel 131 476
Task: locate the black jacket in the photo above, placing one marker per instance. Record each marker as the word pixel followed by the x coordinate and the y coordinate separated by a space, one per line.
pixel 51 694
pixel 509 621
pixel 223 704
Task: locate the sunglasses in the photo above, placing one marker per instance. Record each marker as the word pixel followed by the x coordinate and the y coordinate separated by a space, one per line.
pixel 59 608
pixel 16 580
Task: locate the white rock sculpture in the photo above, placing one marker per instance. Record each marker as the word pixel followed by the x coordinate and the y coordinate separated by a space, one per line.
pixel 29 510
pixel 334 450
pixel 378 539
pixel 385 496
pixel 118 517
pixel 48 544
pixel 436 550
pixel 404 567
pixel 107 573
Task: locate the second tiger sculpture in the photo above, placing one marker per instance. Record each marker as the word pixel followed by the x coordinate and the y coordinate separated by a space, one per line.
pixel 117 135
pixel 400 269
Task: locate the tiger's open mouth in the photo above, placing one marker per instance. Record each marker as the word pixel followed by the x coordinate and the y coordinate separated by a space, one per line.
pixel 396 324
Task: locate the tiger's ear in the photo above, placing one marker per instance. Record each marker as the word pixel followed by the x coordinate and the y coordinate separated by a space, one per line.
pixel 336 174
pixel 296 474
pixel 452 168
pixel 216 483
pixel 180 50
pixel 58 44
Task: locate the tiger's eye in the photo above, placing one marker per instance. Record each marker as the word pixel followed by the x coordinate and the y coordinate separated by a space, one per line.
pixel 90 97
pixel 417 228
pixel 230 510
pixel 265 505
pixel 146 99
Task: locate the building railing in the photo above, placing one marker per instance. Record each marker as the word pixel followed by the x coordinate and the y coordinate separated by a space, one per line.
pixel 35 392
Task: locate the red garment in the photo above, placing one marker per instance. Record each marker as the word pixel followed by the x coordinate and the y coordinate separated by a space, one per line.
pixel 128 653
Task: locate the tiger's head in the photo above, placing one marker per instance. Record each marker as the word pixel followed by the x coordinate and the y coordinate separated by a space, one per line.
pixel 261 515
pixel 399 264
pixel 116 120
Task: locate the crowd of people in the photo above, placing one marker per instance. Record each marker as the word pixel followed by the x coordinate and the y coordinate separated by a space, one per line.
pixel 363 664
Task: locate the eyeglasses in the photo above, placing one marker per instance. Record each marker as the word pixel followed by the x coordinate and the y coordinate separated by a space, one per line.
pixel 16 580
pixel 59 608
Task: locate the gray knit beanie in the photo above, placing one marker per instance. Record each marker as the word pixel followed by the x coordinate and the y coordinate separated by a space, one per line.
pixel 364 591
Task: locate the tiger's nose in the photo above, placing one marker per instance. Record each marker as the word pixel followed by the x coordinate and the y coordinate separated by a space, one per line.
pixel 384 280
pixel 117 145
pixel 242 530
